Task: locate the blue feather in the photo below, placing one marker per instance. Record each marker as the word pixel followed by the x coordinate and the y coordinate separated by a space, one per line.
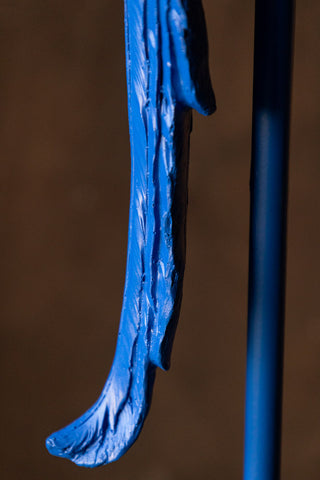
pixel 167 75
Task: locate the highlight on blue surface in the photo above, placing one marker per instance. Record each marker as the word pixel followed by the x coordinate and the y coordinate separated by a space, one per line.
pixel 269 192
pixel 167 76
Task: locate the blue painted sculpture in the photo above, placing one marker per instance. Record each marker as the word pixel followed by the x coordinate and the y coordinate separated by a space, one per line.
pixel 167 76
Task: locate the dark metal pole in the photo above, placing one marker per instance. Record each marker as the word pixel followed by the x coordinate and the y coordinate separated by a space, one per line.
pixel 267 259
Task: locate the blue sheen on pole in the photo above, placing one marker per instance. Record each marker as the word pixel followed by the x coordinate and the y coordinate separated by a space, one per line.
pixel 267 258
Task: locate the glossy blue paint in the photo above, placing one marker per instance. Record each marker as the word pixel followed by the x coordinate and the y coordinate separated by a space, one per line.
pixel 167 76
pixel 269 191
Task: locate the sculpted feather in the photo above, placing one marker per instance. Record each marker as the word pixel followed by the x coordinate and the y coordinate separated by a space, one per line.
pixel 167 76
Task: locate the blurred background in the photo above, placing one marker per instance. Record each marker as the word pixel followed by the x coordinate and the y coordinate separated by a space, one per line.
pixel 65 166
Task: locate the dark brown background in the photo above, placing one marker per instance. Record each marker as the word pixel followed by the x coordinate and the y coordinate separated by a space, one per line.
pixel 64 209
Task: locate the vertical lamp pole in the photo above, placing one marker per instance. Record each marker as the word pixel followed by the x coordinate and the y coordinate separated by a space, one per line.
pixel 267 258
